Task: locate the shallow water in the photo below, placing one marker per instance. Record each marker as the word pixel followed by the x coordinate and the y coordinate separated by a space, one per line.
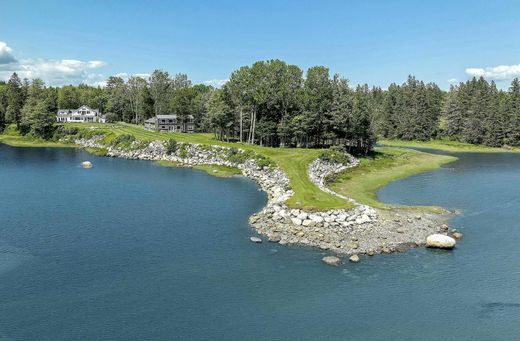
pixel 131 250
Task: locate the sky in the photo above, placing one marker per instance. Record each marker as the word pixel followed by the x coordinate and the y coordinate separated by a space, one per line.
pixel 374 42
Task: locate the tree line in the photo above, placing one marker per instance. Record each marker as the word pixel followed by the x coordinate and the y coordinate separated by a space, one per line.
pixel 276 104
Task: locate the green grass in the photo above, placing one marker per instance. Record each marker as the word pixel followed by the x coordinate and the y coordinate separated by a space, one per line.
pixel 97 151
pixel 215 170
pixel 446 145
pixel 27 141
pixel 388 164
pixel 219 171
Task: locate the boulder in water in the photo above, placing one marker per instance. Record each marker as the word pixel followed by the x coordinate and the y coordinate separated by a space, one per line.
pixel 255 240
pixel 440 241
pixel 354 258
pixel 456 235
pixel 331 260
pixel 87 164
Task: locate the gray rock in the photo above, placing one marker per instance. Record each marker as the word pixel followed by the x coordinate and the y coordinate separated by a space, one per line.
pixel 331 260
pixel 255 240
pixel 440 241
pixel 354 258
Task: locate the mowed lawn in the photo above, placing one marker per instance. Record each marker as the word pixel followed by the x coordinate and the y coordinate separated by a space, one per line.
pixel 448 146
pixel 293 161
pixel 387 165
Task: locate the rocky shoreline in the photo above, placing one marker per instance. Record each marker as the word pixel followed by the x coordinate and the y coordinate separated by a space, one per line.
pixel 356 231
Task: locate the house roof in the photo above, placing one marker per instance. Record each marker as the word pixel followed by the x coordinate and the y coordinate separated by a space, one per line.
pixel 71 111
pixel 170 116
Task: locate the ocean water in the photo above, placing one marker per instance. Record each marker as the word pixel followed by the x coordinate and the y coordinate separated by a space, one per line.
pixel 129 250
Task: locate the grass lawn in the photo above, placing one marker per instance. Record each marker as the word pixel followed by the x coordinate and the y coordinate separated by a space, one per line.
pixel 388 164
pixel 24 141
pixel 446 145
pixel 215 170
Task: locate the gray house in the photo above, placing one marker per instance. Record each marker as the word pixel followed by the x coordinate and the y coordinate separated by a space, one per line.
pixel 170 123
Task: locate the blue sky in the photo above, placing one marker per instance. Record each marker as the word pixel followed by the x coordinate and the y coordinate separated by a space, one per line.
pixel 377 42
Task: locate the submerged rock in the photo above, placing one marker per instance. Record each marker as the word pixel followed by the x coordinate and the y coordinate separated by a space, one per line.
pixel 255 240
pixel 331 260
pixel 440 241
pixel 87 164
pixel 457 235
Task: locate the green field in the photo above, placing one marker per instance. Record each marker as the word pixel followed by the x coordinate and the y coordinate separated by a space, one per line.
pixel 215 170
pixel 360 183
pixel 388 164
pixel 448 146
pixel 25 141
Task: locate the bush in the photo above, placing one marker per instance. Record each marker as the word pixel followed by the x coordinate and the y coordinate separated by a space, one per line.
pixel 183 153
pixel 123 141
pixel 171 146
pixel 62 132
pixel 335 154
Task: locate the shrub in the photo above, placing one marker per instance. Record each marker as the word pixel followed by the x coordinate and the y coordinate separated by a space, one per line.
pixel 335 154
pixel 62 132
pixel 171 146
pixel 123 141
pixel 183 153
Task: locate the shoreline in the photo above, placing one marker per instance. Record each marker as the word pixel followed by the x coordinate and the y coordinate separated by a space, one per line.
pixel 356 230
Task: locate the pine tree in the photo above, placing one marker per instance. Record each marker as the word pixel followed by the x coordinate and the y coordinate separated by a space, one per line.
pixel 15 100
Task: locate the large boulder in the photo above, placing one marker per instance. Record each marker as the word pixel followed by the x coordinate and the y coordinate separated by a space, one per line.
pixel 86 164
pixel 440 241
pixel 354 258
pixel 331 260
pixel 255 240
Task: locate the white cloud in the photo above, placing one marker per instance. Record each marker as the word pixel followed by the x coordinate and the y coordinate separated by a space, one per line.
pixel 216 82
pixel 6 54
pixel 453 81
pixel 498 73
pixel 125 75
pixel 51 71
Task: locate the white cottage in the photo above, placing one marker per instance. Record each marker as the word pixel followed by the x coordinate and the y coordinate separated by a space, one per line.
pixel 82 115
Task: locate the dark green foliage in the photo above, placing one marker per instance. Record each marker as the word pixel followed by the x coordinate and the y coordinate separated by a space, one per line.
pixel 410 111
pixel 123 141
pixel 64 131
pixel 171 146
pixel 335 154
pixel 477 112
pixel 15 100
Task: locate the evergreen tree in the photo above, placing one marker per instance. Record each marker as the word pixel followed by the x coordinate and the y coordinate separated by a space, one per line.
pixel 15 100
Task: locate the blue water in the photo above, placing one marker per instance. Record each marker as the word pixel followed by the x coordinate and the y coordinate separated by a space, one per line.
pixel 133 251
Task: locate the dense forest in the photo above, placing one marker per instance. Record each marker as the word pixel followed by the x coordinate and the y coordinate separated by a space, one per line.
pixel 273 103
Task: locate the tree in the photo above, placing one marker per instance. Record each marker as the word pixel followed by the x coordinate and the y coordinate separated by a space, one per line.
pixel 37 116
pixel 160 84
pixel 117 103
pixel 220 115
pixel 68 97
pixel 135 92
pixel 15 100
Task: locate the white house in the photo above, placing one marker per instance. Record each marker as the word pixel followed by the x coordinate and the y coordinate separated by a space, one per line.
pixel 82 115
